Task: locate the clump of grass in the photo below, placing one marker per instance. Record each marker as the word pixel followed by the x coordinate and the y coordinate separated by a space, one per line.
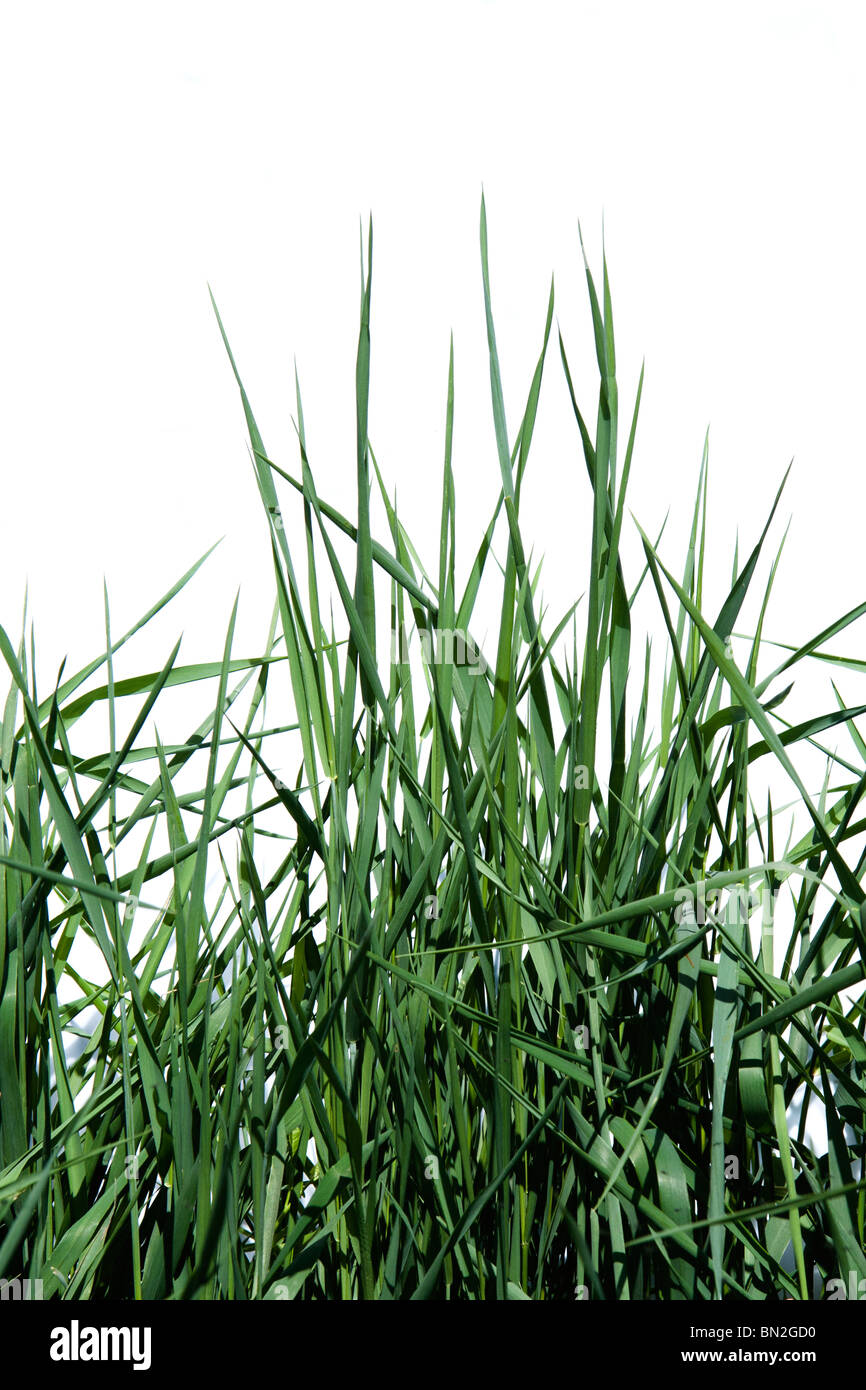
pixel 494 1025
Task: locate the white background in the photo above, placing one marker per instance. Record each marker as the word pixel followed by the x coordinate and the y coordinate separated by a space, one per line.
pixel 147 150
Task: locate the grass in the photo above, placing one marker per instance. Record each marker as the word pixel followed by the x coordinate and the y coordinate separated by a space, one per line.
pixel 504 1018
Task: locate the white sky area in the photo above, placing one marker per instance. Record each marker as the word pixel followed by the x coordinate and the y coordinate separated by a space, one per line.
pixel 149 150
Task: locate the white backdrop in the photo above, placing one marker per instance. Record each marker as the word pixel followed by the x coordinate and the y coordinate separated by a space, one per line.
pixel 147 150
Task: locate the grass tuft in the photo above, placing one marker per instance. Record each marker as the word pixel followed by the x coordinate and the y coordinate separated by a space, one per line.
pixel 501 987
